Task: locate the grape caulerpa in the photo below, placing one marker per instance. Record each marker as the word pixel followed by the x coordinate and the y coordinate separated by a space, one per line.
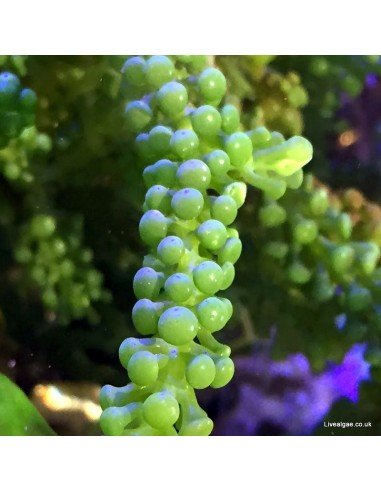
pixel 199 162
pixel 17 107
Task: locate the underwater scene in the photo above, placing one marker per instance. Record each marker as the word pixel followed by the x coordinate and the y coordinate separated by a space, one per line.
pixel 190 245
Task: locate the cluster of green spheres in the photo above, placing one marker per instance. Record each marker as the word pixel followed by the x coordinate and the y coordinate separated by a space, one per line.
pixel 17 107
pixel 273 98
pixel 18 135
pixel 317 244
pixel 61 269
pixel 198 160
